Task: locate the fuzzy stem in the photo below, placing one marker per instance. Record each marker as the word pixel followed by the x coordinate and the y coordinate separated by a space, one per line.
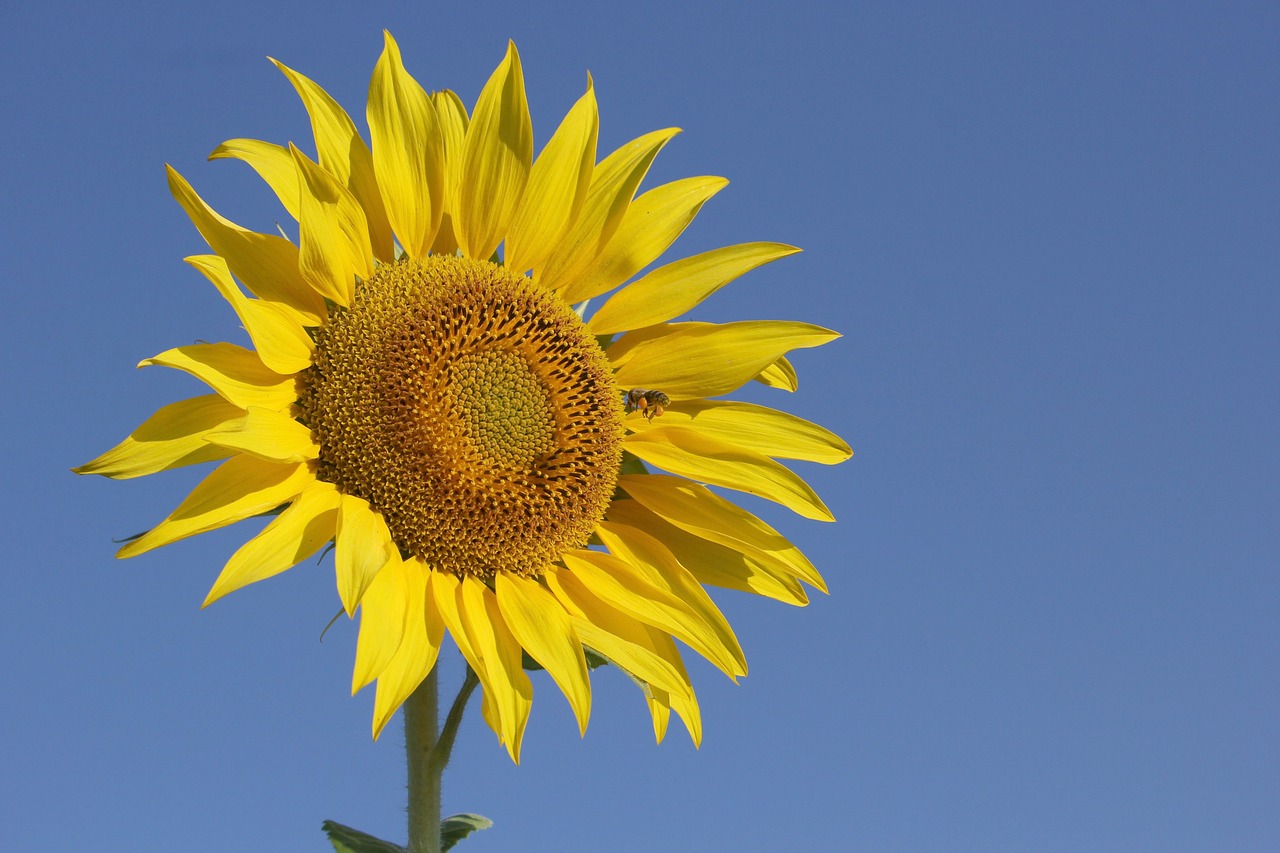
pixel 421 714
pixel 428 754
pixel 444 744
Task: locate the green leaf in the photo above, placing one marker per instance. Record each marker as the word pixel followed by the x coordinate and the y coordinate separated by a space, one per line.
pixel 632 464
pixel 456 827
pixel 347 840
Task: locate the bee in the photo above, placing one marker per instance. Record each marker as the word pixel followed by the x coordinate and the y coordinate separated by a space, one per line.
pixel 650 403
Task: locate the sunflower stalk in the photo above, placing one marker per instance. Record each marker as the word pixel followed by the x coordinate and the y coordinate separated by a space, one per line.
pixel 428 752
pixel 421 714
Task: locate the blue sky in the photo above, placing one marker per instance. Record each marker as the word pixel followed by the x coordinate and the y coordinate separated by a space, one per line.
pixel 1048 233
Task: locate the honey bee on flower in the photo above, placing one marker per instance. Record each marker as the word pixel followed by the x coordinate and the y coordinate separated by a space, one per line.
pixel 650 403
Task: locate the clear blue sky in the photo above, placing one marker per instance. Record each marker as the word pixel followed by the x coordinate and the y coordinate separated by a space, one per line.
pixel 1050 233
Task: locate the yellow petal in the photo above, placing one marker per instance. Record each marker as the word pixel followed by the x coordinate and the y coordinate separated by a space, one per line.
pixel 297 533
pixel 687 708
pixel 501 668
pixel 343 154
pixel 236 373
pixel 418 650
pixel 408 151
pixel 273 436
pixel 625 588
pixel 652 561
pixel 709 563
pixel 495 161
pixel 660 705
pixel 701 457
pixel 452 115
pixel 384 612
pixel 543 628
pixel 751 427
pixel 661 712
pixel 281 342
pixel 267 264
pixel 707 359
pixel 333 233
pixel 557 187
pixel 671 290
pixel 277 331
pixel 613 184
pixel 273 163
pixel 647 655
pixel 635 659
pixel 651 224
pixel 445 592
pixel 240 487
pixel 363 547
pixel 695 509
pixel 171 438
pixel 780 374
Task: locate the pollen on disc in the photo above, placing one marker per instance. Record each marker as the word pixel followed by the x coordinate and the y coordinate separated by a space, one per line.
pixel 471 408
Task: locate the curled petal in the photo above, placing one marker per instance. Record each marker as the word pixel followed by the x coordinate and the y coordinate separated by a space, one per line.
pixel 273 436
pixel 557 187
pixel 408 151
pixel 278 332
pixel 627 589
pixel 671 290
pixel 241 487
pixel 266 263
pixel 419 644
pixel 543 628
pixel 613 184
pixel 238 375
pixel 363 547
pixel 694 454
pixel 651 224
pixel 752 427
pixel 695 509
pixel 297 533
pixel 344 155
pixel 780 375
pixel 500 669
pixel 171 438
pixel 273 163
pixel 707 359
pixel 495 162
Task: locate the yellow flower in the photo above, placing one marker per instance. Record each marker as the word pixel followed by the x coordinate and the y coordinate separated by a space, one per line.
pixel 471 445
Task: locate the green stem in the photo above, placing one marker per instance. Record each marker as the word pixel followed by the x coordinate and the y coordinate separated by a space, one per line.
pixel 421 712
pixel 428 754
pixel 444 745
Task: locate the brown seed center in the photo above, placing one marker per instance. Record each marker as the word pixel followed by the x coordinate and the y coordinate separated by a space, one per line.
pixel 470 407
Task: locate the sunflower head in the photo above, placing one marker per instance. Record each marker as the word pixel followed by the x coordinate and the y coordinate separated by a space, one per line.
pixel 469 407
pixel 421 393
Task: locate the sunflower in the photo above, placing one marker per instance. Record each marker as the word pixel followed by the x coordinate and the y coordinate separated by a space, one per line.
pixel 477 448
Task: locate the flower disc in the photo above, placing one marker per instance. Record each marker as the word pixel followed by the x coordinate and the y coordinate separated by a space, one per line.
pixel 473 409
